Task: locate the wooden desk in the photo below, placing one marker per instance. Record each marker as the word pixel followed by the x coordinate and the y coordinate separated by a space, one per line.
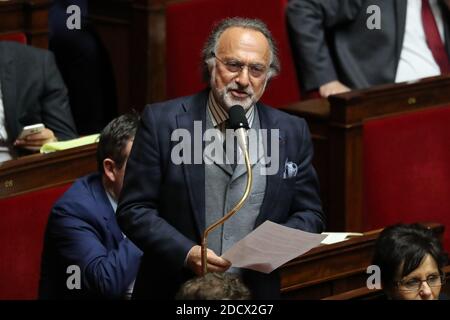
pixel 333 269
pixel 26 16
pixel 337 131
pixel 41 171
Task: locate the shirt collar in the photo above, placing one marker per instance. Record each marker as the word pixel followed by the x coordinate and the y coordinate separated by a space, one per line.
pixel 112 201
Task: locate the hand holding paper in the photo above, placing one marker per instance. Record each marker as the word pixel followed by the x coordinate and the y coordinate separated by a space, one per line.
pixel 271 245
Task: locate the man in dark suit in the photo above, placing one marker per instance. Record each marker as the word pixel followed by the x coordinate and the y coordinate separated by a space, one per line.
pixel 166 205
pixel 32 91
pixel 83 238
pixel 340 45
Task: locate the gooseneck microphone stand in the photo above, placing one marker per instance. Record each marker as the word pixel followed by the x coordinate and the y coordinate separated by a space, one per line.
pixel 238 122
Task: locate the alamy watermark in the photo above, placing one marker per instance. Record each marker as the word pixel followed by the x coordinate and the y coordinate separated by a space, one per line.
pixel 374 20
pixel 74 279
pixel 374 280
pixel 189 148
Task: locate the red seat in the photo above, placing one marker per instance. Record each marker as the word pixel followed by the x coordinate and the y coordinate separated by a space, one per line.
pixel 22 224
pixel 18 37
pixel 406 169
pixel 188 26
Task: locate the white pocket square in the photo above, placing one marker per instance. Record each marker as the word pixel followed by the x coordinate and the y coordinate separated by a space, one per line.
pixel 290 170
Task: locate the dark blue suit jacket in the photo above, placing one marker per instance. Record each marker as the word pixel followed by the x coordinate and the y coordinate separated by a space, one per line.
pixel 162 206
pixel 82 230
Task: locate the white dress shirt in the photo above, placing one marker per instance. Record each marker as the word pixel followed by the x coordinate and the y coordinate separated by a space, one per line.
pixel 4 150
pixel 416 59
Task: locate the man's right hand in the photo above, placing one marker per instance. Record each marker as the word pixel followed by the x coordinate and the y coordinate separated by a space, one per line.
pixel 35 141
pixel 215 263
pixel 333 87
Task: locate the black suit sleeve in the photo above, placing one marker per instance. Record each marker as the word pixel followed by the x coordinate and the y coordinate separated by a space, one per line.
pixel 56 113
pixel 138 211
pixel 107 273
pixel 308 22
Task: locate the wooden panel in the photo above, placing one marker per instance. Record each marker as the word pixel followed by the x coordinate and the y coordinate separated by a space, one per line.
pixel 26 16
pixel 133 31
pixel 11 16
pixel 41 171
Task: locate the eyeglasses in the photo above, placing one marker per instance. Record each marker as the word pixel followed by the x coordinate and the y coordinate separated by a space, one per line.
pixel 256 70
pixel 414 284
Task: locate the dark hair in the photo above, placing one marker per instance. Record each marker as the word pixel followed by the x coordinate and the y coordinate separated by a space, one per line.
pixel 407 245
pixel 214 286
pixel 114 137
pixel 209 48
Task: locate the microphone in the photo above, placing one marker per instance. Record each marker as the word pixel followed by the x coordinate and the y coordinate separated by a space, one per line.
pixel 238 122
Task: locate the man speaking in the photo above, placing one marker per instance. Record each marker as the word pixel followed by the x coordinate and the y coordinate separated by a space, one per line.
pixel 166 205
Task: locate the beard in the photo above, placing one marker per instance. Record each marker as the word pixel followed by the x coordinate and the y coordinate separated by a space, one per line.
pixel 226 99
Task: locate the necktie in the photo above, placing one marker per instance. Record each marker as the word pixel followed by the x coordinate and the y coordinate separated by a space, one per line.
pixel 433 38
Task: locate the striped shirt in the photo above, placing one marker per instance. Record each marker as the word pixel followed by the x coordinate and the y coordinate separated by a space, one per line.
pixel 219 115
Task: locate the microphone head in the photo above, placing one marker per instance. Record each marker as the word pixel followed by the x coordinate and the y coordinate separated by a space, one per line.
pixel 237 118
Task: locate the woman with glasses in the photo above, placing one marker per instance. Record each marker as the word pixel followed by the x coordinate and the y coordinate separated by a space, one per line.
pixel 411 259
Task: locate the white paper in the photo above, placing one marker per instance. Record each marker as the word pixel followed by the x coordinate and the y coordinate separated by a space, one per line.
pixel 334 237
pixel 271 245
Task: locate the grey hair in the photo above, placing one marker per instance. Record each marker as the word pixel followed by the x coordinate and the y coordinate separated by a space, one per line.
pixel 255 24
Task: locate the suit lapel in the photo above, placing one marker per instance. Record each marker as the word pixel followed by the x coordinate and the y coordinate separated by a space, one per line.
pixel 400 14
pixel 8 87
pixel 273 181
pixel 241 167
pixel 195 110
pixel 220 162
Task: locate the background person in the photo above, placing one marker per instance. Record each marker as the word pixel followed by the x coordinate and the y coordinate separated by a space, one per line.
pixel 410 259
pixel 82 229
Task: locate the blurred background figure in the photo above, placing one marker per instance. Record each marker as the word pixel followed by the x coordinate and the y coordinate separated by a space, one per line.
pixel 214 286
pixel 82 229
pixel 85 66
pixel 411 259
pixel 342 45
pixel 31 92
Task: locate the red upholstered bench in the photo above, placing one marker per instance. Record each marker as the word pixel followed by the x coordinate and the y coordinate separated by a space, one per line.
pixel 23 220
pixel 188 25
pixel 406 169
pixel 18 37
